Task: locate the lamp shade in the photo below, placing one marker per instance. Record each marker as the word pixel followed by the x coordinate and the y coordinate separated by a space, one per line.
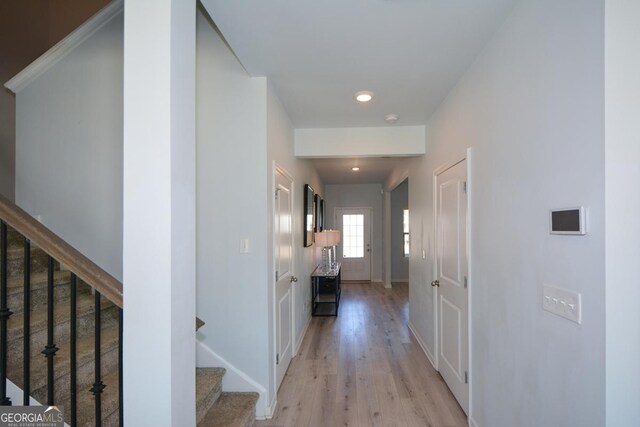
pixel 327 238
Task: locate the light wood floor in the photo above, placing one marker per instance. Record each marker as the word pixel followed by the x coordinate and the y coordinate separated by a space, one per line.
pixel 364 368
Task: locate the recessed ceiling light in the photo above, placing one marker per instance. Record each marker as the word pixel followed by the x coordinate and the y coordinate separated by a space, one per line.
pixel 364 96
pixel 355 169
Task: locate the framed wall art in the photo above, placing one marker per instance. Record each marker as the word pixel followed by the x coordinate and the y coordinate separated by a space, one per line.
pixel 308 216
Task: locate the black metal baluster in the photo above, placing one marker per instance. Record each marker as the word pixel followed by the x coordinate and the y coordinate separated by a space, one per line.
pixel 27 325
pixel 98 386
pixel 50 349
pixel 73 362
pixel 120 376
pixel 5 313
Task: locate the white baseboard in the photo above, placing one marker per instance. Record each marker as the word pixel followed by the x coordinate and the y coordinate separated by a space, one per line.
pixel 424 347
pixel 235 379
pixel 15 393
pixel 271 409
pixel 380 282
pixel 472 422
pixel 296 348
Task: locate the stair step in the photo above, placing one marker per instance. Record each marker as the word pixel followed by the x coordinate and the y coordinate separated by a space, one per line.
pixel 85 324
pixel 85 358
pixel 208 389
pixel 39 282
pixel 15 260
pixel 232 410
pixel 109 401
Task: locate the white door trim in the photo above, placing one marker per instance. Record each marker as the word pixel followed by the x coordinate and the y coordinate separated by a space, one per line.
pixel 276 168
pixel 467 155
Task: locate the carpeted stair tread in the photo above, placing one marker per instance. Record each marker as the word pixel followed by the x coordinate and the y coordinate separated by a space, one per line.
pixel 85 354
pixel 232 410
pixel 208 389
pixel 109 401
pixel 15 249
pixel 38 280
pixel 85 305
pixel 15 260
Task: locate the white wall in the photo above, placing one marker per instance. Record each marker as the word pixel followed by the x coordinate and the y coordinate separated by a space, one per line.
pixel 622 151
pixel 531 107
pixel 232 193
pixel 69 160
pixel 359 196
pixel 280 142
pixel 399 263
pixel 360 142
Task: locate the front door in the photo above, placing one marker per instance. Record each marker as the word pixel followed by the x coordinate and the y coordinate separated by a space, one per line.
pixel 451 284
pixel 283 254
pixel 354 250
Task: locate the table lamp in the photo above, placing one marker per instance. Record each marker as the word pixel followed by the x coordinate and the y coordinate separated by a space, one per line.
pixel 328 239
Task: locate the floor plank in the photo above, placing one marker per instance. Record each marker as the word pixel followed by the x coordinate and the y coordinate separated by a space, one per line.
pixel 363 368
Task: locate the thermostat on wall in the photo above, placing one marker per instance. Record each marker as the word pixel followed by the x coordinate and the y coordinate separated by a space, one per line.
pixel 567 221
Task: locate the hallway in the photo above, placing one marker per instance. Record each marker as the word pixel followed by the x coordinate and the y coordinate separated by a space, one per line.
pixel 364 368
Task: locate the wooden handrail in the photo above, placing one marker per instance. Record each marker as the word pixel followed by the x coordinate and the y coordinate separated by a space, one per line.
pixel 60 250
pixel 53 245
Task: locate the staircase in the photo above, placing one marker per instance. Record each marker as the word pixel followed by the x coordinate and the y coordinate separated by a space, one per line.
pixel 215 408
pixel 61 362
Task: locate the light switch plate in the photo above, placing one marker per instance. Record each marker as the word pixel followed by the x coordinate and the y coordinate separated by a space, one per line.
pixel 244 246
pixel 562 302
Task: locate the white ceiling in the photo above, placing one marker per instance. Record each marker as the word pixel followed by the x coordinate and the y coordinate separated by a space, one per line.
pixel 373 170
pixel 318 53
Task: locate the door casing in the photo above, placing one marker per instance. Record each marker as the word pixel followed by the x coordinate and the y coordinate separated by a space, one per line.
pixel 273 281
pixel 338 211
pixel 468 156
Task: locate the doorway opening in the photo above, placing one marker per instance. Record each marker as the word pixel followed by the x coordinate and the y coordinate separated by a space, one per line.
pixel 399 236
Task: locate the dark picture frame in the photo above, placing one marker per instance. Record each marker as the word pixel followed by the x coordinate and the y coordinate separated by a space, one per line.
pixel 308 220
pixel 317 204
pixel 322 215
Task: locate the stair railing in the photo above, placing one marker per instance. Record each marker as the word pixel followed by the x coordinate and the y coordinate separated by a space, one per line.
pixel 81 268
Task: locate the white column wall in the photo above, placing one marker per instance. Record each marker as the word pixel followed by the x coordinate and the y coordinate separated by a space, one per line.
pixel 622 218
pixel 159 212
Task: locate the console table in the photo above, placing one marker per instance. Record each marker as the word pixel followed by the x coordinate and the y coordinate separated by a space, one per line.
pixel 325 291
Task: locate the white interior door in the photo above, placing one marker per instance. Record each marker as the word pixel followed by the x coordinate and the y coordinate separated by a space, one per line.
pixel 452 271
pixel 354 250
pixel 283 238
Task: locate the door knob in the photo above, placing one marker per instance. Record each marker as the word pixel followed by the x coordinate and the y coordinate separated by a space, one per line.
pixel 435 283
pixel 293 279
